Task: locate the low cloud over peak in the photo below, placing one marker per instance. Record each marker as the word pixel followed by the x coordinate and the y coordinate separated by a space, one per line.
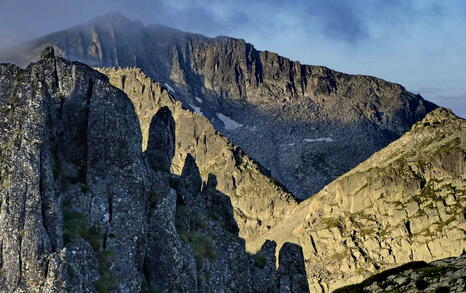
pixel 418 43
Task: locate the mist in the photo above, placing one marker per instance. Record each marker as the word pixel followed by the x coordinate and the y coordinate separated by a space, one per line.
pixel 420 44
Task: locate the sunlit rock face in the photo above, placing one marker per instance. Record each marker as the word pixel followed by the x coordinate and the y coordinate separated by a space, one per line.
pixel 405 203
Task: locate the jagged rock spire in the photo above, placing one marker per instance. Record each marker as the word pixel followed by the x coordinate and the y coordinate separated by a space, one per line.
pixel 161 144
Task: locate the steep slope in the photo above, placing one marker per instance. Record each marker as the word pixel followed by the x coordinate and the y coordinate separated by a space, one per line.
pixel 405 203
pixel 258 201
pixel 84 209
pixel 445 275
pixel 307 124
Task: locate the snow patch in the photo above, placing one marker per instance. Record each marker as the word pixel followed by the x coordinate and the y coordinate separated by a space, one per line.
pixel 169 88
pixel 254 128
pixel 199 100
pixel 229 123
pixel 322 139
pixel 196 109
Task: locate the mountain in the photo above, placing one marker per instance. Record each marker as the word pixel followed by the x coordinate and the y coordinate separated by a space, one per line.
pixel 258 201
pixel 405 203
pixel 306 124
pixel 84 209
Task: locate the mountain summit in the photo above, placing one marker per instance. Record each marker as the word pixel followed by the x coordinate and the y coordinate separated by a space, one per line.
pixel 306 124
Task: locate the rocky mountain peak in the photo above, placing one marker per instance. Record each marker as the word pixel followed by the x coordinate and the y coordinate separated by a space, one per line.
pixel 84 209
pixel 306 124
pixel 439 116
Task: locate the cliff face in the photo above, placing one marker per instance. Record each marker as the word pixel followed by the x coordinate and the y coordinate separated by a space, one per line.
pixel 84 209
pixel 258 201
pixel 307 124
pixel 405 203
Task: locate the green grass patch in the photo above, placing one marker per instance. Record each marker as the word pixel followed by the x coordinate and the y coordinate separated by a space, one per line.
pixel 201 244
pixel 433 271
pixel 107 281
pixel 193 229
pixel 259 259
pixel 330 222
pixel 77 225
pixel 20 76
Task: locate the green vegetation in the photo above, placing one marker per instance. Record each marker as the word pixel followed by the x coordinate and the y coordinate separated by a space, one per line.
pixel 20 76
pixel 202 246
pixel 194 231
pixel 450 145
pixel 330 222
pixel 84 187
pixel 259 259
pixel 80 178
pixel 432 271
pixel 5 183
pixel 77 225
pixel 107 281
pixel 213 215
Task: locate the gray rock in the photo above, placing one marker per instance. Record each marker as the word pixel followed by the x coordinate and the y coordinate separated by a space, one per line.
pixel 83 209
pixel 307 124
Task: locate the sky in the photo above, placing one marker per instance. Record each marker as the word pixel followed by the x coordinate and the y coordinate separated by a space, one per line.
pixel 420 44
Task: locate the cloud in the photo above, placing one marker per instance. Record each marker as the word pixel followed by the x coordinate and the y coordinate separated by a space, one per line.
pixel 417 43
pixel 349 21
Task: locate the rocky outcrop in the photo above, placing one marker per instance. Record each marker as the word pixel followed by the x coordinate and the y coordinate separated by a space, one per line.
pixel 307 124
pixel 258 201
pixel 405 203
pixel 84 209
pixel 445 275
pixel 69 171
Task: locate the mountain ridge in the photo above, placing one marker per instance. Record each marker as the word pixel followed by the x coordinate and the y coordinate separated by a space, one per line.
pixel 258 201
pixel 307 124
pixel 84 209
pixel 404 203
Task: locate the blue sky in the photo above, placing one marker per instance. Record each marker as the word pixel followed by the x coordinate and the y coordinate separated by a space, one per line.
pixel 420 44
